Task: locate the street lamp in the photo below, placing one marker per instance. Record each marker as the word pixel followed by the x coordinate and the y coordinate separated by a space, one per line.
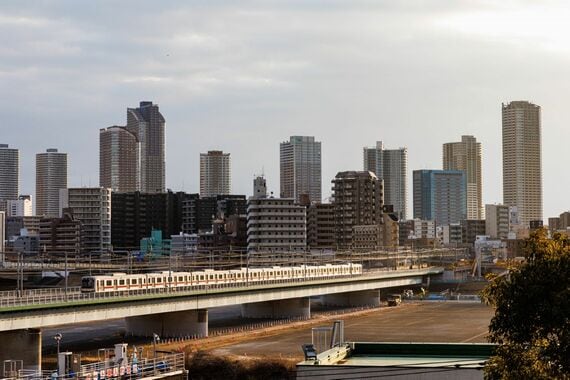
pixel 155 340
pixel 57 339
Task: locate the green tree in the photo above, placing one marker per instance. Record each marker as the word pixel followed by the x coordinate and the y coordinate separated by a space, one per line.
pixel 532 313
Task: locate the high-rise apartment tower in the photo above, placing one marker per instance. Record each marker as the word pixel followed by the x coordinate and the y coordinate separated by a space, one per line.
pixel 215 173
pixel 119 152
pixel 440 195
pixel 9 174
pixel 51 176
pixel 466 156
pixel 300 166
pixel 147 124
pixel 522 163
pixel 391 165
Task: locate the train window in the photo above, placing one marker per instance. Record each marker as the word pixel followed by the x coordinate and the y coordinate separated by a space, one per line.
pixel 159 279
pixel 180 278
pixel 169 279
pixel 115 282
pixel 121 282
pixel 134 281
pixel 109 283
pixel 201 278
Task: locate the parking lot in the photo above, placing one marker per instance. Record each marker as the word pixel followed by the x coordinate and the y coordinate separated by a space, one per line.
pixel 410 322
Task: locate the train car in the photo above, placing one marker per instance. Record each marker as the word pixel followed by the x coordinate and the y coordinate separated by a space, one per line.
pixel 167 279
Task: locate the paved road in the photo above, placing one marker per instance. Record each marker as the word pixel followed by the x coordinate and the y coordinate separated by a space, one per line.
pixel 425 322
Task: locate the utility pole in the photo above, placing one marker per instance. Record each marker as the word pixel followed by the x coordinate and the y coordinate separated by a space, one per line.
pixel 65 274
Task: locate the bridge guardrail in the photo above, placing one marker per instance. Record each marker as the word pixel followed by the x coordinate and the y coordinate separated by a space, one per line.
pixel 75 295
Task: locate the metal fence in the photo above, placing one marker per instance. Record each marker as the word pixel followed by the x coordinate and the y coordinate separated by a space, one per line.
pixel 160 366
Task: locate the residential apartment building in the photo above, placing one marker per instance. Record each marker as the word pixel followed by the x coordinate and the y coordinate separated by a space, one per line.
pixel 215 173
pixel 60 236
pixel 92 207
pixel 135 215
pixel 119 159
pixel 466 156
pixel 51 176
pixel 2 231
pixel 20 207
pixel 440 195
pixel 9 174
pixel 15 224
pixel 390 165
pixel 522 159
pixel 471 228
pixel 416 230
pixel 148 125
pixel 300 168
pixel 358 201
pixel 274 224
pixel 320 226
pixel 497 224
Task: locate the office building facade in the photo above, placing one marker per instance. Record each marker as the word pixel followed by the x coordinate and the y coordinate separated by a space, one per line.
pixel 215 173
pixel 466 156
pixel 119 164
pixel 522 159
pixel 440 195
pixel 300 168
pixel 390 165
pixel 51 177
pixel 148 125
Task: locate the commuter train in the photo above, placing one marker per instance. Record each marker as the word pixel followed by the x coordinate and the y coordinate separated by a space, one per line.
pixel 125 282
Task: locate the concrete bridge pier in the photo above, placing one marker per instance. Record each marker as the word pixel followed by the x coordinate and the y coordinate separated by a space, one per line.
pixel 287 308
pixel 24 345
pixel 356 299
pixel 170 325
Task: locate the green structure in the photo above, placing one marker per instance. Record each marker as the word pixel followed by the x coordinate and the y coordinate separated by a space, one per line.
pixel 155 245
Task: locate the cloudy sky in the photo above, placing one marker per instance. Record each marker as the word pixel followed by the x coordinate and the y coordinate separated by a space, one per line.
pixel 244 77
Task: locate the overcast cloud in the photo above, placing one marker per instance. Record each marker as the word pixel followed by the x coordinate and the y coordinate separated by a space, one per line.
pixel 243 78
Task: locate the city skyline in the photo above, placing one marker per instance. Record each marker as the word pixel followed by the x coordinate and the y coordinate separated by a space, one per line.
pixel 266 94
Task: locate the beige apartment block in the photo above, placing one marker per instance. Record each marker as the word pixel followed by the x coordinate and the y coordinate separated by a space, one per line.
pixel 466 156
pixel 522 162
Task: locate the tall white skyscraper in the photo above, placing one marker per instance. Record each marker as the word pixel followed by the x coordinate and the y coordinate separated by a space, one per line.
pixel 466 156
pixel 51 176
pixel 300 168
pixel 391 165
pixel 215 173
pixel 9 174
pixel 522 162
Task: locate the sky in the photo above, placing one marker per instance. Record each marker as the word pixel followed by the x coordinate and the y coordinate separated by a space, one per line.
pixel 244 76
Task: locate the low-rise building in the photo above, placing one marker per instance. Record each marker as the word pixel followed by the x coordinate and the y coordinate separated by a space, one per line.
pixel 401 361
pixel 60 236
